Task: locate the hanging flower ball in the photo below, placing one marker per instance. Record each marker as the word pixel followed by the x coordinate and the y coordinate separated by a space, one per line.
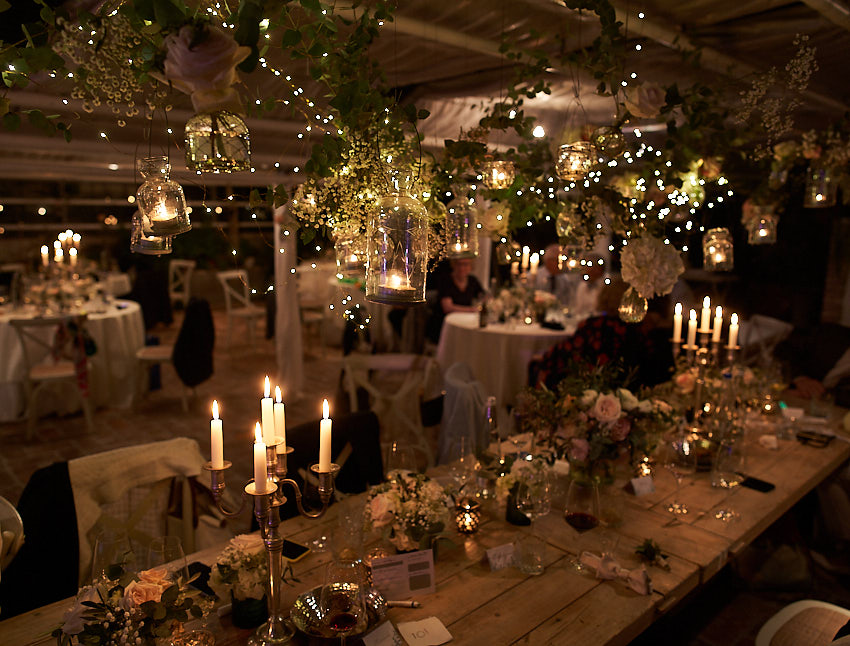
pixel 650 266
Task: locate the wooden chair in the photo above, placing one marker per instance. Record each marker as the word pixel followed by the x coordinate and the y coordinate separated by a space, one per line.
pixel 313 301
pixel 52 337
pixel 180 280
pixel 399 410
pixel 237 301
pixel 803 623
pixel 155 355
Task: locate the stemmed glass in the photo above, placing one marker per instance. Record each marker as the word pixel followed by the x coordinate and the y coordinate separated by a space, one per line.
pixel 399 458
pixel 581 511
pixel 342 603
pixel 462 462
pixel 111 550
pixel 680 460
pixel 534 500
pixel 167 552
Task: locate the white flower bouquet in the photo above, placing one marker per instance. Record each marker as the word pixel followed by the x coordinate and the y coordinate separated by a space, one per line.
pixel 650 266
pixel 241 569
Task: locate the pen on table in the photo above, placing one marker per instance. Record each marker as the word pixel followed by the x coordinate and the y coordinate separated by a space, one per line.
pixel 403 604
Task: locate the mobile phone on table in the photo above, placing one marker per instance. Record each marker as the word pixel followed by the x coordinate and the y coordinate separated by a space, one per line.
pixel 757 484
pixel 293 551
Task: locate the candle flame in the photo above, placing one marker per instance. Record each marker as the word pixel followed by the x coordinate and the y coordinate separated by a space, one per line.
pixel 258 434
pixel 718 312
pixel 267 390
pixel 215 409
pixel 706 302
pixel 277 394
pixel 693 315
pixel 734 319
pixel 325 411
pixel 678 309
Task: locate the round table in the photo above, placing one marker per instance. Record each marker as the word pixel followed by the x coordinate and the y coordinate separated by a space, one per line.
pixel 498 354
pixel 118 331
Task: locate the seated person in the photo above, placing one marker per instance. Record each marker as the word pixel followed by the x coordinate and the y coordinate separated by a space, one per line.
pixel 457 291
pixel 818 359
pixel 550 278
pixel 588 289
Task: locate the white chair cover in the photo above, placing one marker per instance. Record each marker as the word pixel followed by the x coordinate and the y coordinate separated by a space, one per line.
pixel 463 412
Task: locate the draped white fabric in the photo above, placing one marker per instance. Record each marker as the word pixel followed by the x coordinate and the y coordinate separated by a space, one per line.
pixel 288 342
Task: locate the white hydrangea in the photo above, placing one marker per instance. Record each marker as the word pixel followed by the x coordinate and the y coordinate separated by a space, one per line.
pixel 650 266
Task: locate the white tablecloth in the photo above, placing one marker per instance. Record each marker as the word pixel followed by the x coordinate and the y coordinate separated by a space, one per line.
pixel 118 332
pixel 498 354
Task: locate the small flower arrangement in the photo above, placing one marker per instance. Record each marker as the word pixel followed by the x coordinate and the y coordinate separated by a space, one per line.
pixel 650 266
pixel 410 509
pixel 127 608
pixel 241 569
pixel 521 469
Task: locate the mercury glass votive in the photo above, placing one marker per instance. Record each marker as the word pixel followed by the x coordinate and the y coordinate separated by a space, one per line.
pixel 468 515
pixel 498 173
pixel 633 306
pixel 574 161
pixel 161 200
pixel 217 142
pixel 717 250
pixel 609 142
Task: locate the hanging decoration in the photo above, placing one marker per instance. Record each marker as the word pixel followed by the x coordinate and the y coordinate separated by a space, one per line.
pixel 507 252
pixel 161 200
pixel 397 246
pixel 569 218
pixel 609 142
pixel 761 222
pixel 498 173
pixel 145 242
pixel 821 189
pixel 718 250
pixel 350 248
pixel 633 306
pixel 572 256
pixel 461 230
pixel 217 142
pixel 574 161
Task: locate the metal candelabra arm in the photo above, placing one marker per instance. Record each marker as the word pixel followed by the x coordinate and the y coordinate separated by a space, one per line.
pixel 326 490
pixel 217 484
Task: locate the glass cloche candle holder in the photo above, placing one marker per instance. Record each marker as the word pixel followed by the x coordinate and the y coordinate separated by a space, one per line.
pixel 350 248
pixel 145 242
pixel 161 200
pixel 574 161
pixel 821 188
pixel 461 228
pixel 498 173
pixel 718 252
pixel 217 142
pixel 397 247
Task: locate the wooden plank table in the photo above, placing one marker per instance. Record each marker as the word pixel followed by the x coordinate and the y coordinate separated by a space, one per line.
pixel 562 605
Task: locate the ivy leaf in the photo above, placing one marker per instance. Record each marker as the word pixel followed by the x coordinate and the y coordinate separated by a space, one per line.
pixel 291 38
pixel 4 105
pixel 11 121
pixel 168 14
pixel 4 6
pixel 313 6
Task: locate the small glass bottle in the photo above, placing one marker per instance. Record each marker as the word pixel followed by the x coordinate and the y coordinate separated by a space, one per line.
pixel 161 200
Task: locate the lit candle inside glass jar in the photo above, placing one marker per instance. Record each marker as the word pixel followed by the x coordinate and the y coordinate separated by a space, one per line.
pixel 468 516
pixel 161 212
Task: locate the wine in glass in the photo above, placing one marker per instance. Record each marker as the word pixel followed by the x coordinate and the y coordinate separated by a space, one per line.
pixel 342 603
pixel 581 511
pixel 534 500
pixel 681 460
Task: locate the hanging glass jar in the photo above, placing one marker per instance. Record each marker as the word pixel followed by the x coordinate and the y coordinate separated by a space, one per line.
pixel 574 161
pixel 763 227
pixel 217 142
pixel 350 248
pixel 821 188
pixel 498 173
pixel 609 142
pixel 461 228
pixel 144 242
pixel 568 219
pixel 397 247
pixel 161 200
pixel 633 306
pixel 507 252
pixel 718 252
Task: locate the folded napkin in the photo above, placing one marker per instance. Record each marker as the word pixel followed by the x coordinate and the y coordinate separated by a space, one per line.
pixel 607 568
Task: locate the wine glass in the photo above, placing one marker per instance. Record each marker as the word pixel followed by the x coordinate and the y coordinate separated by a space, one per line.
pixel 111 551
pixel 461 461
pixel 534 500
pixel 399 458
pixel 343 606
pixel 681 460
pixel 581 510
pixel 167 552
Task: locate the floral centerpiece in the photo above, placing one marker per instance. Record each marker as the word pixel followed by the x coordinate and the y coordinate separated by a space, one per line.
pixel 128 608
pixel 241 569
pixel 410 510
pixel 520 469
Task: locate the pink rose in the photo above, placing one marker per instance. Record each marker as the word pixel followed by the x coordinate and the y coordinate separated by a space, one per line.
pixel 645 100
pixel 620 429
pixel 158 575
pixel 139 592
pixel 381 509
pixel 685 382
pixel 579 450
pixel 607 409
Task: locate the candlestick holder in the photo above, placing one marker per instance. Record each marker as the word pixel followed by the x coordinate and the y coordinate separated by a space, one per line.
pixel 732 353
pixel 266 503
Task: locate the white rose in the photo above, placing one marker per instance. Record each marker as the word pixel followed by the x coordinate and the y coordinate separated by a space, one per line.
pixel 607 409
pixel 588 397
pixel 381 510
pixel 645 100
pixel 627 399
pixel 248 543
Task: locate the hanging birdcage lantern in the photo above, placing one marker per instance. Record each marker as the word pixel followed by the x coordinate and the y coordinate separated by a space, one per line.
pixel 498 173
pixel 633 306
pixel 609 142
pixel 821 188
pixel 574 161
pixel 145 242
pixel 161 200
pixel 217 142
pixel 718 251
pixel 397 247
pixel 461 229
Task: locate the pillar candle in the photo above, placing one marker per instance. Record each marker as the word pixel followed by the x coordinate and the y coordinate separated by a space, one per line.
pixel 677 324
pixel 718 324
pixel 279 420
pixel 72 256
pixel 325 439
pixel 692 328
pixel 534 263
pixel 704 321
pixel 260 473
pixel 733 332
pixel 59 256
pixel 45 258
pixel 525 257
pixel 267 412
pixel 216 440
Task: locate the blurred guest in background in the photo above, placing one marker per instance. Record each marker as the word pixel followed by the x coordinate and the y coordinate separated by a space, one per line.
pixel 550 278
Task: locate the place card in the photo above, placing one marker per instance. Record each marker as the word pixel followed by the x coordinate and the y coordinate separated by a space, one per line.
pixel 561 467
pixel 501 557
pixel 400 575
pixel 426 632
pixel 643 485
pixel 383 635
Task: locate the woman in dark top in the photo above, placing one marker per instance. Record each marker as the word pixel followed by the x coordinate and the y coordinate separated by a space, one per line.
pixel 456 292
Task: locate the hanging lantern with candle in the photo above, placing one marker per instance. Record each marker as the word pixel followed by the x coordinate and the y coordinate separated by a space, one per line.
pixel 821 188
pixel 574 161
pixel 145 242
pixel 718 252
pixel 633 306
pixel 217 142
pixel 350 248
pixel 569 219
pixel 397 246
pixel 507 252
pixel 461 229
pixel 498 173
pixel 761 223
pixel 161 200
pixel 468 515
pixel 609 142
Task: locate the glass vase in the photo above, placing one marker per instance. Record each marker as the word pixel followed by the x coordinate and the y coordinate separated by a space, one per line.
pixel 397 247
pixel 160 200
pixel 718 252
pixel 350 248
pixel 217 142
pixel 498 173
pixel 461 229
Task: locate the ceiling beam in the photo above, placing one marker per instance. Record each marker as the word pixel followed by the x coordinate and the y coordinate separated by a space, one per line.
pixel 835 11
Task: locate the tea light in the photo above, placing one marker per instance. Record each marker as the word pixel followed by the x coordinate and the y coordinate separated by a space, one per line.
pixel 468 515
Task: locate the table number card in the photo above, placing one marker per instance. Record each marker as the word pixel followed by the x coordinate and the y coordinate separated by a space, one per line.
pixel 500 557
pixel 427 632
pixel 401 575
pixel 643 485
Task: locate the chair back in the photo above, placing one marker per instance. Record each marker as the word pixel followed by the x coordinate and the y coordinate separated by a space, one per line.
pixel 234 282
pixel 180 279
pixel 193 349
pixel 463 412
pixel 60 337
